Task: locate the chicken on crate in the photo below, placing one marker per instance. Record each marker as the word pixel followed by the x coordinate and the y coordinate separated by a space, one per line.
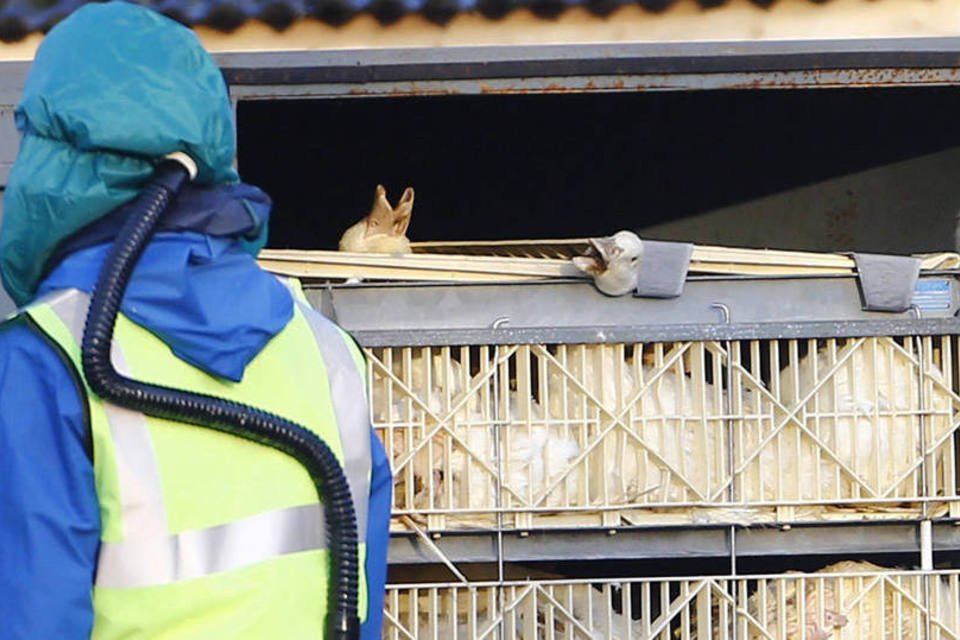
pixel 384 228
pixel 848 600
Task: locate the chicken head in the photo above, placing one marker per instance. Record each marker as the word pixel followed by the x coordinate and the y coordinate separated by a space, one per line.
pixel 614 262
pixel 384 229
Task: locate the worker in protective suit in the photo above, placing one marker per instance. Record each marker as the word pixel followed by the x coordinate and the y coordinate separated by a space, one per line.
pixel 119 524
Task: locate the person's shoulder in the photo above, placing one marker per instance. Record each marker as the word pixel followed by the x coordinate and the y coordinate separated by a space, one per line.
pixel 21 339
pixel 16 328
pixel 315 315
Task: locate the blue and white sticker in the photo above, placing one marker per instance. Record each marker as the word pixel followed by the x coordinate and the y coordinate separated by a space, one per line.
pixel 932 294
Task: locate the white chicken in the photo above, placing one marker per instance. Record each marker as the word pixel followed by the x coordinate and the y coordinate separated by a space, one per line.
pixel 823 606
pixel 667 445
pixel 417 380
pixel 614 262
pixel 384 229
pixel 679 418
pixel 847 600
pixel 548 611
pixel 537 456
pixel 862 402
pixel 587 386
pixel 412 395
pixel 593 609
pixel 442 431
pixel 533 469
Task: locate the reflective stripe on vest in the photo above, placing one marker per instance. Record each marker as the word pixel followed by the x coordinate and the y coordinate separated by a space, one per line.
pixel 145 561
pixel 352 417
pixel 149 555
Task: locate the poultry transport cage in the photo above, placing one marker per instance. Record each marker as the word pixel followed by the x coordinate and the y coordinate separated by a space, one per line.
pixel 546 409
pixel 745 400
pixel 849 604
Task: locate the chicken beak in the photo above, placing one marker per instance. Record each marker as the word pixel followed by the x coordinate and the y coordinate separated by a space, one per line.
pixel 606 248
pixel 597 258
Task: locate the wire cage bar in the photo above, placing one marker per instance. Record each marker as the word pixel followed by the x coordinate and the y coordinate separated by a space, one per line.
pixel 853 600
pixel 691 432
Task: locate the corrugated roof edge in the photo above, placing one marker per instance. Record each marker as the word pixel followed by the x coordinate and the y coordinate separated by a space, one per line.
pixel 20 18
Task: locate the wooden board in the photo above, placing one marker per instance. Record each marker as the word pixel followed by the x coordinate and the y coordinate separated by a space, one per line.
pixel 517 260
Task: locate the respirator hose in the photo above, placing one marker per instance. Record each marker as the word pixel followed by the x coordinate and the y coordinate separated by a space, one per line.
pixel 216 413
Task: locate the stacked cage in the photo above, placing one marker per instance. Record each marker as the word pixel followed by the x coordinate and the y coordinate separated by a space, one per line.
pixel 563 459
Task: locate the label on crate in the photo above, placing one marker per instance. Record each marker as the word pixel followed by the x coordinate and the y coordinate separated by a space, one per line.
pixel 932 295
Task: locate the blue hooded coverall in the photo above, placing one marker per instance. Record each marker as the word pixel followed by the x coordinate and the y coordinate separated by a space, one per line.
pixel 197 287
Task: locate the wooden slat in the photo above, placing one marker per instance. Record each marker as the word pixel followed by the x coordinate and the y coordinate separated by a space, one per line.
pixel 476 266
pixel 704 254
pixel 535 267
pixel 338 271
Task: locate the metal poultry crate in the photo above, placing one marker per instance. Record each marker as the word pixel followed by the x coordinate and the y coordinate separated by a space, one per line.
pixel 745 400
pixel 634 433
pixel 849 600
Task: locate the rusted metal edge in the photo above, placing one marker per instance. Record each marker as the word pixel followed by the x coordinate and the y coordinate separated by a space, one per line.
pixel 552 61
pixel 809 79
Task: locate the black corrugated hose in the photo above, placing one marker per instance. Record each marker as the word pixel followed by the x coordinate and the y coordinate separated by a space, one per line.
pixel 216 413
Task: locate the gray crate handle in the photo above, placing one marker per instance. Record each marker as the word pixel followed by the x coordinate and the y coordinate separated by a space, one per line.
pixel 663 269
pixel 887 282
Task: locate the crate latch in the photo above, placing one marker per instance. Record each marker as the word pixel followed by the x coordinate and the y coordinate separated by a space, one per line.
pixel 887 282
pixel 663 269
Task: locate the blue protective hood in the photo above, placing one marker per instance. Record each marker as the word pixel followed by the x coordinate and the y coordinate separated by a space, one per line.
pixel 194 287
pixel 113 88
pixel 203 296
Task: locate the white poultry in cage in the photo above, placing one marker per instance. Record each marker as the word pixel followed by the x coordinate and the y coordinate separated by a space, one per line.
pixel 870 606
pixel 593 609
pixel 412 394
pixel 825 606
pixel 587 388
pixel 538 456
pixel 663 444
pixel 533 469
pixel 549 611
pixel 679 418
pixel 415 380
pixel 446 614
pixel 860 408
pixel 457 468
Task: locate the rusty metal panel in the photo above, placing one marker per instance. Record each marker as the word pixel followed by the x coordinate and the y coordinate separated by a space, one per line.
pixel 589 68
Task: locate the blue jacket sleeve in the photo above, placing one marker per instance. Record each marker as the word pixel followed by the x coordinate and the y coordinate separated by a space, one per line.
pixel 49 515
pixel 378 539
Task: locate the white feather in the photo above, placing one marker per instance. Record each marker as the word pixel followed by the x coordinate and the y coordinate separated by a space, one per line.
pixel 865 412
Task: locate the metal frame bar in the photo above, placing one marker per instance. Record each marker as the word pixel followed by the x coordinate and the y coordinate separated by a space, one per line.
pixel 656 333
pixel 715 542
pixel 572 312
pixel 593 67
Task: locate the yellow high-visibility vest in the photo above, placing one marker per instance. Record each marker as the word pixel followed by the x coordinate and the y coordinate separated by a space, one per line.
pixel 205 535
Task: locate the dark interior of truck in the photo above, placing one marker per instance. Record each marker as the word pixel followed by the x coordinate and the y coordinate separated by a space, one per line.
pixel 517 166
